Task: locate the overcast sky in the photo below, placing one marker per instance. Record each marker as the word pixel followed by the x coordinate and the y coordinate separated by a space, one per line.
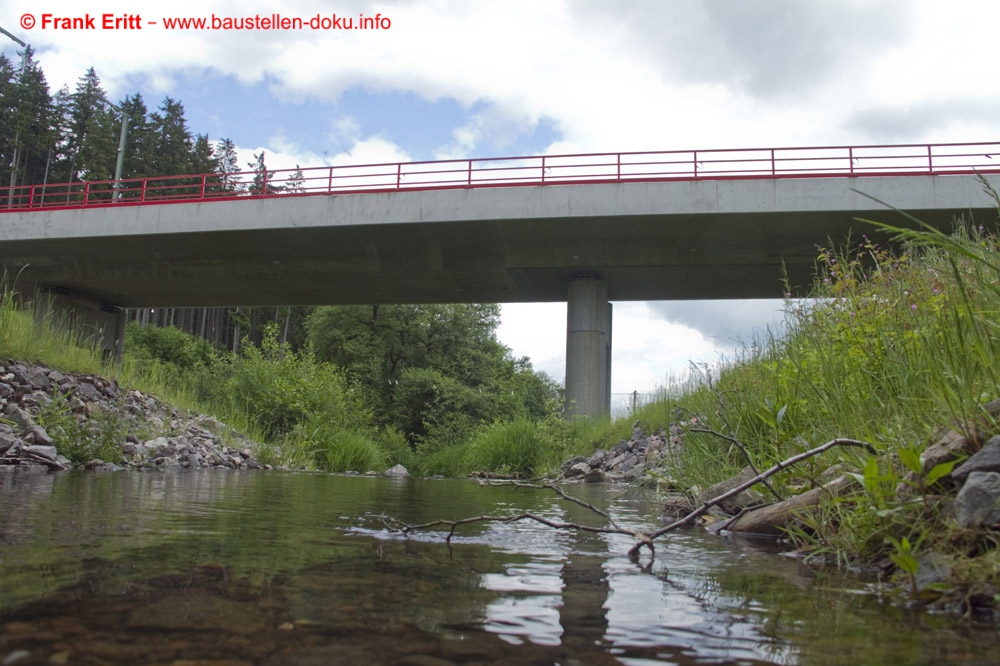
pixel 479 78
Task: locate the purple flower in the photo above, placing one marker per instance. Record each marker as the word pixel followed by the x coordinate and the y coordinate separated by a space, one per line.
pixel 913 306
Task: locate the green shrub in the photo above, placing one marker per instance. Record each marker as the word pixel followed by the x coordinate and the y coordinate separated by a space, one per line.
pixel 168 345
pixel 509 449
pixel 336 449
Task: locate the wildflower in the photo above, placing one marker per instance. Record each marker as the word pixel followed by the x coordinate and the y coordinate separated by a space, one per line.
pixel 913 306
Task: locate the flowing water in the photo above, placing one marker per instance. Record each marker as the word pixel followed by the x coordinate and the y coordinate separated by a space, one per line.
pixel 267 568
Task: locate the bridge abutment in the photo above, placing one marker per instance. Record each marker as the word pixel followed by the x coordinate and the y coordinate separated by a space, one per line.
pixel 104 325
pixel 588 348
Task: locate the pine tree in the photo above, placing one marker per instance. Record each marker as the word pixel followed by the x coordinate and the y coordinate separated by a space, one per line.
pixel 203 160
pixel 172 139
pixel 8 110
pixel 263 179
pixel 139 148
pixel 93 140
pixel 296 182
pixel 228 167
pixel 28 119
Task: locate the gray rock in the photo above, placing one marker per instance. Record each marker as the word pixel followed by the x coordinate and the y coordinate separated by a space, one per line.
pixel 21 418
pixel 19 374
pixel 594 476
pixel 986 459
pixel 43 455
pixel 575 460
pixel 733 504
pixel 37 451
pixel 577 470
pixel 978 502
pixel 8 441
pixel 676 506
pixel 36 435
pixel 629 460
pixel 597 460
pixel 397 471
pixel 932 568
pixel 6 390
pixel 89 392
pixel 38 378
pixel 160 447
pixel 635 472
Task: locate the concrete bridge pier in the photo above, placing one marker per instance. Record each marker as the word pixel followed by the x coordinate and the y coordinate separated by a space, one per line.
pixel 588 348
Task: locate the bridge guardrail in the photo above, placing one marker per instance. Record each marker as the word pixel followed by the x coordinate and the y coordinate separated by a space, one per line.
pixel 711 164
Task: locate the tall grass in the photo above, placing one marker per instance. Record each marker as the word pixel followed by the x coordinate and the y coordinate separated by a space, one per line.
pixel 35 334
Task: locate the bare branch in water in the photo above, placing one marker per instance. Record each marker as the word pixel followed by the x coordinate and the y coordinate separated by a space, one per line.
pixel 641 538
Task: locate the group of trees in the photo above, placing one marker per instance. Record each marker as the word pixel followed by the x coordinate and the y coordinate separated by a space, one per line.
pixel 73 136
pixel 414 381
pixel 434 373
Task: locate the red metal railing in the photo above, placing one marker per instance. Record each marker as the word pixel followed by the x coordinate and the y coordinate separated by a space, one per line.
pixel 715 164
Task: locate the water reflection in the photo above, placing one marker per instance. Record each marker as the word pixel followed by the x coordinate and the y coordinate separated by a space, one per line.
pixel 274 569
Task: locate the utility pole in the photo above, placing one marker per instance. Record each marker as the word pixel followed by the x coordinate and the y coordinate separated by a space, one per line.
pixel 23 45
pixel 121 149
pixel 17 131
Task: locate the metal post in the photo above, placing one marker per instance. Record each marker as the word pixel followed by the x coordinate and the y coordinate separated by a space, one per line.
pixel 121 154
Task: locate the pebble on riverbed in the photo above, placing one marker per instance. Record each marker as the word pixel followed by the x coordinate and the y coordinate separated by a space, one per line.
pixel 154 436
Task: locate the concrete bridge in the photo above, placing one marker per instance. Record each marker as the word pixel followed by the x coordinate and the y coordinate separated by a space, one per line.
pixel 586 229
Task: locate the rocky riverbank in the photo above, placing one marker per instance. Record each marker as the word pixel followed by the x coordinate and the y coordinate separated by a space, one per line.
pixel 56 421
pixel 960 471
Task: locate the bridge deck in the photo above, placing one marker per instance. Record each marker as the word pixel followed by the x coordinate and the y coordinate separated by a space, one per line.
pixel 675 239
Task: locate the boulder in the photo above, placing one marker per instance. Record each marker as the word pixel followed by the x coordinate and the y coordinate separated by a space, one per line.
pixel 18 416
pixel 37 435
pixel 987 459
pixel 397 471
pixel 978 502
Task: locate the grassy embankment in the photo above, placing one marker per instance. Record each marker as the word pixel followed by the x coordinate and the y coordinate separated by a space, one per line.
pixel 893 348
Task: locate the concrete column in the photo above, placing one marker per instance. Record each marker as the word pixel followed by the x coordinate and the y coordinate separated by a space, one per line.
pixel 588 348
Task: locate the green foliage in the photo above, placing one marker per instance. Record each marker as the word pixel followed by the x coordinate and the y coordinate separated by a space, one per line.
pixel 280 389
pixel 336 449
pixel 433 372
pixel 509 449
pixel 101 436
pixel 168 345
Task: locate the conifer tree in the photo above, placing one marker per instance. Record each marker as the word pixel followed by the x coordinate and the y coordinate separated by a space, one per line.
pixel 172 139
pixel 92 142
pixel 263 179
pixel 228 166
pixel 296 182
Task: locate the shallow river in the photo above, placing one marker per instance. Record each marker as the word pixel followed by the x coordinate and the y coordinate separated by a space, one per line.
pixel 225 568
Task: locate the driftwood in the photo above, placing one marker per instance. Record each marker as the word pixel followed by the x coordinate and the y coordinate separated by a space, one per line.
pixel 641 538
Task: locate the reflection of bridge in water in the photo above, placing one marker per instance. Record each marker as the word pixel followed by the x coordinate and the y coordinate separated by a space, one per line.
pixel 602 608
pixel 586 229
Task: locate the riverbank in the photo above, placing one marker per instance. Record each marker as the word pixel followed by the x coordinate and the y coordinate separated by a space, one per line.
pixel 59 421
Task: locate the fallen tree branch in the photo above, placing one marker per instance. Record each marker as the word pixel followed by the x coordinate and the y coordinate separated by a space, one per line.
pixel 743 486
pixel 641 538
